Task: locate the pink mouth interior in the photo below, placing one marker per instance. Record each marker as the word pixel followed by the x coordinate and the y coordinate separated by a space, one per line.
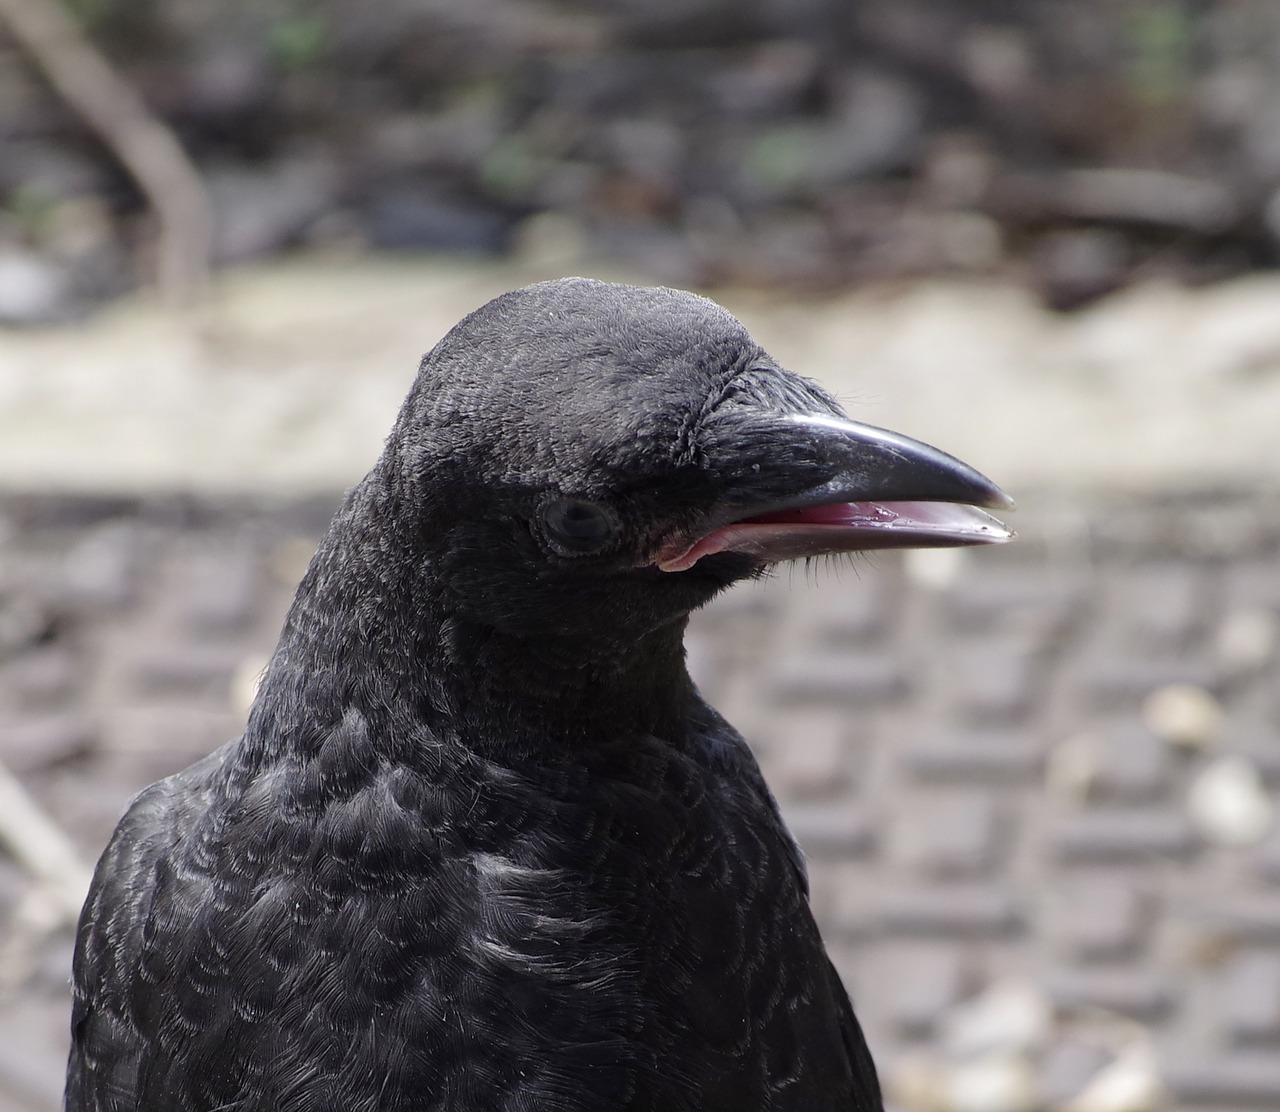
pixel 841 527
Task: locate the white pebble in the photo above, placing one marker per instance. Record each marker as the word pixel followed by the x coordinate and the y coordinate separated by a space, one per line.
pixel 917 1082
pixel 1072 768
pixel 1009 1017
pixel 935 568
pixel 245 681
pixel 1131 1083
pixel 992 1083
pixel 1183 714
pixel 1229 805
pixel 1246 640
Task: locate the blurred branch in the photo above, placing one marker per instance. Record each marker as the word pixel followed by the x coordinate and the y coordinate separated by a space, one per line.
pixel 39 845
pixel 144 144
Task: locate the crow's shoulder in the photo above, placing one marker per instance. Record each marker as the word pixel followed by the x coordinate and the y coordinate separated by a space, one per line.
pixel 719 747
pixel 107 1046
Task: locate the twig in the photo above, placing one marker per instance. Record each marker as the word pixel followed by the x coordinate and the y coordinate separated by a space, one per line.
pixel 37 918
pixel 143 143
pixel 39 845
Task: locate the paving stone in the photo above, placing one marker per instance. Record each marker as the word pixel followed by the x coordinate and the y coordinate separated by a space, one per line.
pixel 1238 1077
pixel 13 884
pixel 996 685
pixel 830 829
pixel 1245 640
pixel 811 757
pixel 846 894
pixel 290 557
pixel 1251 996
pixel 67 513
pixel 1125 834
pixel 957 834
pixel 1247 919
pixel 36 741
pixel 927 980
pixel 1065 1069
pixel 844 722
pixel 220 591
pixel 1102 916
pixel 838 679
pixel 187 669
pixel 1009 1016
pixel 1259 742
pixel 101 570
pixel 39 677
pixel 854 614
pixel 1225 530
pixel 1249 583
pixel 1133 764
pixel 703 657
pixel 1026 600
pixel 995 757
pixel 1230 1105
pixel 1133 991
pixel 11 1102
pixel 88 808
pixel 25 621
pixel 33 1051
pixel 1124 681
pixel 956 910
pixel 49 971
pixel 1266 859
pixel 1163 604
pixel 157 738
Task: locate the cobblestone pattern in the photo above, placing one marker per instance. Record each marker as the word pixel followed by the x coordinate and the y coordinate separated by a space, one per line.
pixel 964 745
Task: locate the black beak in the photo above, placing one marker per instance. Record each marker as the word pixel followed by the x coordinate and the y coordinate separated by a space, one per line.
pixel 806 484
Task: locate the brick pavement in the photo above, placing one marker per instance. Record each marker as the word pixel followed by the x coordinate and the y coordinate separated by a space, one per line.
pixel 1035 879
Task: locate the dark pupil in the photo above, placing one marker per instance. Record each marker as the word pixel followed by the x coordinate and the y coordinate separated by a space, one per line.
pixel 579 524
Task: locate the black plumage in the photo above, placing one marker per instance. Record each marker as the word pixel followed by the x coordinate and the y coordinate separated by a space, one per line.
pixel 482 846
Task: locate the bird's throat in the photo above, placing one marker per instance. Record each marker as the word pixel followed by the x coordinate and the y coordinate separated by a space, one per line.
pixel 402 656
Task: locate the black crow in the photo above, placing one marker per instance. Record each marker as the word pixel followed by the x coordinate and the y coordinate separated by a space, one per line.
pixel 482 846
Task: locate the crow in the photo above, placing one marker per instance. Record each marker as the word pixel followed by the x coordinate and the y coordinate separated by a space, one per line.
pixel 482 846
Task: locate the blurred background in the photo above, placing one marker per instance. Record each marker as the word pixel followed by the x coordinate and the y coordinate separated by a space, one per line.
pixel 1037 785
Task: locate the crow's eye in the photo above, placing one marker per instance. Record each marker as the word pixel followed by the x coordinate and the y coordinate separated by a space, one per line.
pixel 576 528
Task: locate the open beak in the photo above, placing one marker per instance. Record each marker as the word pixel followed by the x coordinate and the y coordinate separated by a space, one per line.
pixel 796 485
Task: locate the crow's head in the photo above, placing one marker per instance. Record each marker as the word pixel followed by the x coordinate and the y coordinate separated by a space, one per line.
pixel 581 457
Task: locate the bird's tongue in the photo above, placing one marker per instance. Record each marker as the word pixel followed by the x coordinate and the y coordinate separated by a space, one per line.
pixel 840 527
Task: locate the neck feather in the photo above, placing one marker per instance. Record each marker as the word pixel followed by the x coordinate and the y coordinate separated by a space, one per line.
pixel 371 631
